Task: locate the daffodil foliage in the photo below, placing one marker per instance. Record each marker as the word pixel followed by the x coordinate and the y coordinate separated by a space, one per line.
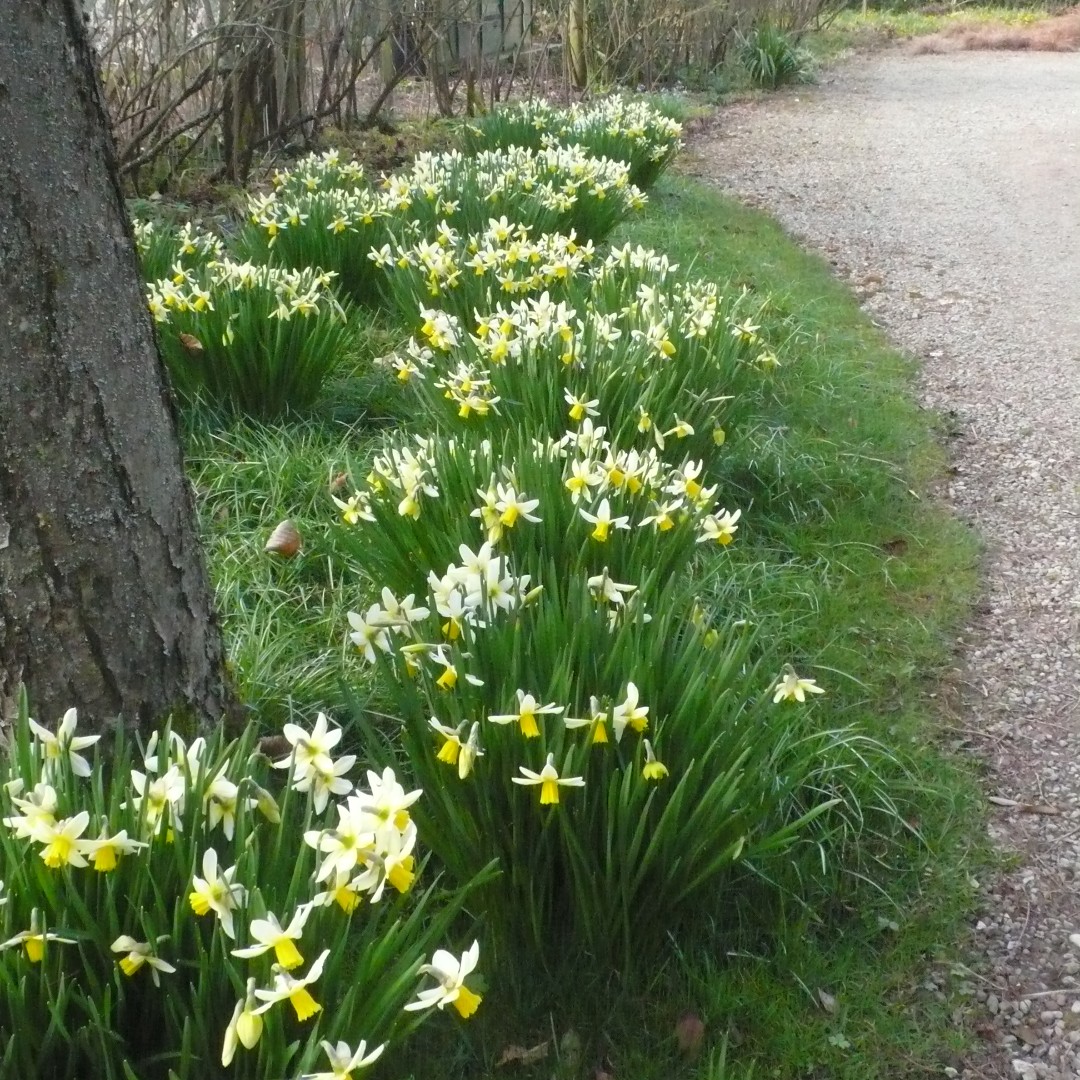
pixel 254 338
pixel 566 704
pixel 212 908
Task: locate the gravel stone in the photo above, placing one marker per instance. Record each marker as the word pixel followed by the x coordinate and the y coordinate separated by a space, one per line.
pixel 945 190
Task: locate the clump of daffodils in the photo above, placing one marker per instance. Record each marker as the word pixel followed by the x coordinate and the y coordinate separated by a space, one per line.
pixel 195 868
pixel 623 128
pixel 257 338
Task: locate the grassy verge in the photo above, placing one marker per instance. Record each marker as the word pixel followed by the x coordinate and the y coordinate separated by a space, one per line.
pixel 863 580
pixel 840 560
pixel 853 30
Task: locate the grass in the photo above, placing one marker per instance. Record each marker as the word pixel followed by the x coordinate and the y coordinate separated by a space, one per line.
pixel 853 30
pixel 839 558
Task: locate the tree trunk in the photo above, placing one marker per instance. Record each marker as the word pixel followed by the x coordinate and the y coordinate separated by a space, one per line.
pixel 104 602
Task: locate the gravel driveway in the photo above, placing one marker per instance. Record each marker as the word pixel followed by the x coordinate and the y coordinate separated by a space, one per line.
pixel 946 189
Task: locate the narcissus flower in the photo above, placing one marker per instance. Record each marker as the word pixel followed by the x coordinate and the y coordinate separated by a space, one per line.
pixel 62 844
pixel 64 744
pixel 579 406
pixel 528 710
pixel 597 720
pixel 603 521
pixel 245 1027
pixel 451 747
pixel 791 687
pixel 217 892
pixel 629 713
pixel 37 811
pixel 34 939
pixel 344 1062
pixel 450 973
pixel 470 752
pixel 138 954
pixel 269 934
pixel 106 850
pixel 720 527
pixel 549 780
pixel 294 991
pixel 652 769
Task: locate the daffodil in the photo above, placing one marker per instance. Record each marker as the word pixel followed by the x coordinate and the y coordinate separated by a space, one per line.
pixel 34 939
pixel 603 521
pixel 106 850
pixel 325 778
pixel 512 506
pixel 217 892
pixel 604 588
pixel 159 799
pixel 220 801
pixel 580 407
pixel 720 527
pixel 470 752
pixel 629 713
pixel 583 476
pixel 344 1062
pixel 309 747
pixel 269 934
pixel 367 635
pixel 139 953
pixel 344 892
pixel 450 973
pixel 527 711
pixel 355 509
pixel 245 1028
pixel 597 720
pixel 549 780
pixel 790 687
pixel 451 747
pixel 387 800
pixel 294 991
pixel 652 769
pixel 62 846
pixel 64 744
pixel 37 812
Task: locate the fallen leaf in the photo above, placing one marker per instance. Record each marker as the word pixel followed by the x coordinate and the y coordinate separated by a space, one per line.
pixel 1023 807
pixel 284 540
pixel 519 1055
pixel 689 1033
pixel 828 1002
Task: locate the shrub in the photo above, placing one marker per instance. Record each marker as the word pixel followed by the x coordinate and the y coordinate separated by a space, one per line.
pixel 770 56
pixel 255 339
pixel 148 897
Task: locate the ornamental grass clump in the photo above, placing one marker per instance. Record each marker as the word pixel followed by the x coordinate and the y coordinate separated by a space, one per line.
pixel 576 718
pixel 253 339
pixel 616 127
pixel 211 909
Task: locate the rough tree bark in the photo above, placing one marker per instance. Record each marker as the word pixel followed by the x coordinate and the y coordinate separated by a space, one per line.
pixel 104 602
